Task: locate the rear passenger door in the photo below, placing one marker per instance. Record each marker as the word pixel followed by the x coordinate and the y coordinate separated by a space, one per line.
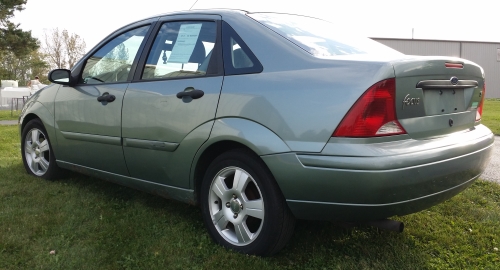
pixel 173 96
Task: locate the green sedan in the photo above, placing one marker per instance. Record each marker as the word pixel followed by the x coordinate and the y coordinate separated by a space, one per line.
pixel 262 118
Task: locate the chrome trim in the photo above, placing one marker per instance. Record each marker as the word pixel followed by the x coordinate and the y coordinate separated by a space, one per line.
pixel 446 84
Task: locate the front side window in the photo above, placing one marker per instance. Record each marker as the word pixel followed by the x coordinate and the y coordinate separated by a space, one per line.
pixel 112 62
pixel 181 49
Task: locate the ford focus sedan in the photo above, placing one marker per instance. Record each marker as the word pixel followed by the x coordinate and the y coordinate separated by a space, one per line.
pixel 262 118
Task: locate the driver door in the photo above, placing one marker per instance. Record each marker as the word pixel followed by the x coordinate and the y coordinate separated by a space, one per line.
pixel 88 115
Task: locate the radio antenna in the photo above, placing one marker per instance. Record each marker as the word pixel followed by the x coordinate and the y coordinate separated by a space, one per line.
pixel 193 4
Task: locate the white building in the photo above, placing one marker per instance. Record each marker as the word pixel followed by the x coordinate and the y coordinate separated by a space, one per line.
pixel 4 102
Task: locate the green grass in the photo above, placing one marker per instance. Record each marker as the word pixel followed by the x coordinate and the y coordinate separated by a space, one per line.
pixel 5 115
pixel 491 115
pixel 93 224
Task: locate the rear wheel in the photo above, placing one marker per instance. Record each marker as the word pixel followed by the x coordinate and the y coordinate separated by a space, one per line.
pixel 242 205
pixel 38 157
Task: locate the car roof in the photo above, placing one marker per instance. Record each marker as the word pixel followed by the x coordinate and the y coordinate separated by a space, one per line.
pixel 221 11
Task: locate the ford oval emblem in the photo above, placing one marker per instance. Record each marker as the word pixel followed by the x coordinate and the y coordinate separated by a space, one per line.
pixel 454 80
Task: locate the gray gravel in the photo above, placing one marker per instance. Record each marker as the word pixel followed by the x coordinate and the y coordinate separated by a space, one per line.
pixel 8 122
pixel 492 172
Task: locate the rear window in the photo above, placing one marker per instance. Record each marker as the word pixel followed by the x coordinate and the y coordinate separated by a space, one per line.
pixel 320 38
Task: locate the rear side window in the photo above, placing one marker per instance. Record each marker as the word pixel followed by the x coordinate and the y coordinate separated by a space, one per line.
pixel 238 58
pixel 181 49
pixel 320 38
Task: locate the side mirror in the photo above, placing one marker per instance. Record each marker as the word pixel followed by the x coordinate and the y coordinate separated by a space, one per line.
pixel 60 76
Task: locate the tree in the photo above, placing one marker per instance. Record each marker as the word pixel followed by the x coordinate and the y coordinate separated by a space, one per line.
pixel 54 48
pixel 62 49
pixel 23 68
pixel 12 38
pixel 75 47
pixel 39 67
pixel 18 48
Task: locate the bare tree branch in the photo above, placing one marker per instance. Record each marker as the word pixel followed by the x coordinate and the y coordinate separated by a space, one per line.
pixel 53 48
pixel 75 47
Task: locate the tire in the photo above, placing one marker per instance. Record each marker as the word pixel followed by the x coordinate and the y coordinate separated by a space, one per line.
pixel 242 205
pixel 36 151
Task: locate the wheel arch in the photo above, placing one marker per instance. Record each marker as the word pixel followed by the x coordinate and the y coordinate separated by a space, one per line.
pixel 38 110
pixel 234 133
pixel 27 118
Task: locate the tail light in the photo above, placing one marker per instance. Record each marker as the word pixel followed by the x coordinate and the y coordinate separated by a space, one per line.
pixel 479 111
pixel 373 114
pixel 454 65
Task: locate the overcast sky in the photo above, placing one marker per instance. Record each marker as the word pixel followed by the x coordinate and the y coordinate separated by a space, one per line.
pixel 431 19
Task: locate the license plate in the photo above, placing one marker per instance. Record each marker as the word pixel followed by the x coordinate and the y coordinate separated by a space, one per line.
pixel 444 101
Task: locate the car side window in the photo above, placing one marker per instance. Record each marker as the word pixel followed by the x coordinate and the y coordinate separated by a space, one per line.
pixel 238 58
pixel 112 63
pixel 181 49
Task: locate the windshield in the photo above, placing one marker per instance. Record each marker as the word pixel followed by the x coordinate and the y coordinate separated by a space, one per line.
pixel 320 38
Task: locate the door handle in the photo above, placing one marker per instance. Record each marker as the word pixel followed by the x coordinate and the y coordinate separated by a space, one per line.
pixel 106 97
pixel 191 92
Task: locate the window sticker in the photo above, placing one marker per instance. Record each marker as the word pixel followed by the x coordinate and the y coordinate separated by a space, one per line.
pixel 184 45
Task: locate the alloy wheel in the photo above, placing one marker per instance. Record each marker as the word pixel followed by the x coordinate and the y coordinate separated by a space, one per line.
pixel 37 151
pixel 236 206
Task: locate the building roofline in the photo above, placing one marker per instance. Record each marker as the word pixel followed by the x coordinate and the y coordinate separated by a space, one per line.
pixel 439 40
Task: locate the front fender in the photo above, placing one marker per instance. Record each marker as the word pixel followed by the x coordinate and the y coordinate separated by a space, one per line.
pixel 41 105
pixel 36 109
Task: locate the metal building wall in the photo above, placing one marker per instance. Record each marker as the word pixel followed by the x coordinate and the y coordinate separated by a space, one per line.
pixel 423 47
pixel 484 54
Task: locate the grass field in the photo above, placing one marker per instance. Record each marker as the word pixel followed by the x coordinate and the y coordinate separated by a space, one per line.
pixel 491 115
pixel 92 224
pixel 5 115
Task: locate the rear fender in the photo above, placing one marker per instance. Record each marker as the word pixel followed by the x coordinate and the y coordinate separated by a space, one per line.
pixel 258 138
pixel 254 136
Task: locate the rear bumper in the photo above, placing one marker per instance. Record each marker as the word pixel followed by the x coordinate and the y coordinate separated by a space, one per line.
pixel 379 180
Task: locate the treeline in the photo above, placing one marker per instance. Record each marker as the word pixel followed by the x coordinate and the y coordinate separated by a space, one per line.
pixel 23 56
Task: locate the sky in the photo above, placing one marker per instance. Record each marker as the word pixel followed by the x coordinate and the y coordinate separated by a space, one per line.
pixel 93 20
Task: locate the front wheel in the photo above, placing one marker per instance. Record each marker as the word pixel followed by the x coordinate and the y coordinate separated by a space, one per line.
pixel 36 151
pixel 242 205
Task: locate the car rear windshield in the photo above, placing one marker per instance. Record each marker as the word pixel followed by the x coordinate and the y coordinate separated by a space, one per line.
pixel 318 37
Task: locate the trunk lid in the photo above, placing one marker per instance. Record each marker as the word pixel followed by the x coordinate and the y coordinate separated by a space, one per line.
pixel 437 95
